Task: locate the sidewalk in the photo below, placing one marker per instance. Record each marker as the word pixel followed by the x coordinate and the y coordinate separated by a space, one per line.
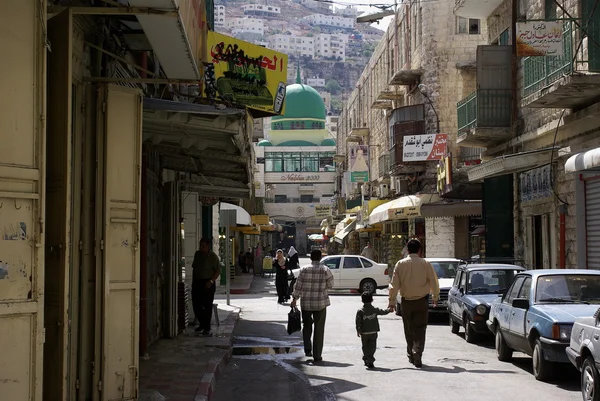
pixel 240 284
pixel 185 369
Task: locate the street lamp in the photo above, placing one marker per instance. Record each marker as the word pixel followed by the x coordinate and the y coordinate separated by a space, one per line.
pixel 423 89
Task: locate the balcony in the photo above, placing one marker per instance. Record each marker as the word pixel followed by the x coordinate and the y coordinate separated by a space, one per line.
pixel 390 94
pixel 384 165
pixel 484 118
pixel 570 80
pixel 406 77
pixel 382 105
pixel 475 8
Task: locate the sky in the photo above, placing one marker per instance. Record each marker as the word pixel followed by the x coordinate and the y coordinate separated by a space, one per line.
pixel 383 24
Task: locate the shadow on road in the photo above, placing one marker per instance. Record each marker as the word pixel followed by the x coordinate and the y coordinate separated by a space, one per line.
pixel 458 369
pixel 567 377
pixel 328 364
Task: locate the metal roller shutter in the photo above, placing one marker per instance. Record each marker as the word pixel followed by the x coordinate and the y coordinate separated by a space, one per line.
pixel 592 222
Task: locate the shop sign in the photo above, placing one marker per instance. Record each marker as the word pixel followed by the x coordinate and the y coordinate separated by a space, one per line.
pixel 322 211
pixel 260 219
pixel 406 212
pixel 444 175
pixel 418 148
pixel 300 177
pixel 536 184
pixel 243 73
pixel 540 38
pixel 359 176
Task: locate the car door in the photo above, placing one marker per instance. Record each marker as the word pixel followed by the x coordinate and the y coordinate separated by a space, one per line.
pixel 334 265
pixel 352 272
pixel 518 319
pixel 454 294
pixel 504 312
pixel 460 296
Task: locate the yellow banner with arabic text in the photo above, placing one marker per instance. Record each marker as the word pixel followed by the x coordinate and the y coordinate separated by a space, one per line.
pixel 242 73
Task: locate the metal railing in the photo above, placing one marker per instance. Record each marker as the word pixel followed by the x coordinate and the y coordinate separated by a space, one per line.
pixel 292 200
pixel 489 108
pixel 384 165
pixel 540 72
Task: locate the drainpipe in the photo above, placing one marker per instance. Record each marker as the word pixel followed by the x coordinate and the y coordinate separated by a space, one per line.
pixel 515 115
pixel 562 212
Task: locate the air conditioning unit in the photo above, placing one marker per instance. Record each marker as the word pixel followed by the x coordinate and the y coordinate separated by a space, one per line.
pixel 399 185
pixel 365 190
pixel 383 190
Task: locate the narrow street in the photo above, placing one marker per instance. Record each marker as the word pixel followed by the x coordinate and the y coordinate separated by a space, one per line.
pixel 268 361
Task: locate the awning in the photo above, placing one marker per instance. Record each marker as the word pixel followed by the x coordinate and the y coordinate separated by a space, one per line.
pixel 317 237
pixel 242 217
pixel 511 164
pixel 451 209
pixel 369 228
pixel 339 237
pixel 589 160
pixel 342 224
pixel 402 208
pixel 479 230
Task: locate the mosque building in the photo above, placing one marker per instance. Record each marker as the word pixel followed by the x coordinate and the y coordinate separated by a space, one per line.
pixel 296 174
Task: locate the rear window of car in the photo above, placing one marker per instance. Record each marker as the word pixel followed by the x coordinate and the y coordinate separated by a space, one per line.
pixel 366 263
pixel 445 269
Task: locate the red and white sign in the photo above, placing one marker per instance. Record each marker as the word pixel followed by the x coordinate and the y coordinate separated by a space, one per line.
pixel 419 148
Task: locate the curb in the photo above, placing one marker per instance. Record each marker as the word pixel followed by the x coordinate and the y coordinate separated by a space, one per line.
pixel 217 365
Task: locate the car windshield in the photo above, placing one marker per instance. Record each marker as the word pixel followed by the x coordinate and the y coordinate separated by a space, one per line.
pixel 568 288
pixel 445 269
pixel 489 281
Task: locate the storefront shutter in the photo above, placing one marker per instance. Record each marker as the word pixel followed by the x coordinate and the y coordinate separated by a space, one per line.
pixel 592 222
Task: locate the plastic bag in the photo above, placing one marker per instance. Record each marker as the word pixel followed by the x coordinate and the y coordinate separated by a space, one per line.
pixel 294 321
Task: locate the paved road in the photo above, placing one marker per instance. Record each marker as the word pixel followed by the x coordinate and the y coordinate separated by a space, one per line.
pixel 452 368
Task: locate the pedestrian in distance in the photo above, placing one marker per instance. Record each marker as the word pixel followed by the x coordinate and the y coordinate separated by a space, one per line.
pixel 312 287
pixel 415 278
pixel 367 327
pixel 206 269
pixel 281 265
pixel 293 258
pixel 368 252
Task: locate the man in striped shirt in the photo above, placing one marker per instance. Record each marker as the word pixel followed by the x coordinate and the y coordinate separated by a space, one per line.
pixel 312 286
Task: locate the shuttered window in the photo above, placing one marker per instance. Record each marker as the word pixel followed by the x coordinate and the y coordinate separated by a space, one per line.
pixel 592 222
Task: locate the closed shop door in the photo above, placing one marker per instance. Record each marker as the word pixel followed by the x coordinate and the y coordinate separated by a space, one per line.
pixel 22 181
pixel 592 222
pixel 119 214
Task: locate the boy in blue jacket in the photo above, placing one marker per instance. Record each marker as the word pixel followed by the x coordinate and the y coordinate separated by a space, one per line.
pixel 367 326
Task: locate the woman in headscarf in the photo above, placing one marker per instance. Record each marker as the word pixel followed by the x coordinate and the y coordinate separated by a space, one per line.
pixel 293 258
pixel 280 265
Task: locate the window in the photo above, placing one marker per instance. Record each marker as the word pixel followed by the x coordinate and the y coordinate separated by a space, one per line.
pixel 274 162
pixel 458 278
pixel 325 160
pixel 280 198
pixel 467 25
pixel 463 281
pixel 445 269
pixel 306 198
pixel 332 263
pixel 352 263
pixel 366 262
pixel 504 38
pixel 292 162
pixel 310 161
pixel 514 290
pixel 526 289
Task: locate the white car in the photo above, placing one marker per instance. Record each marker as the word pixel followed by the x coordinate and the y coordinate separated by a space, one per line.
pixel 446 269
pixel 353 272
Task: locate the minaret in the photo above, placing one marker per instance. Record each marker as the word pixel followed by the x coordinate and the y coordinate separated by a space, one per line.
pixel 298 79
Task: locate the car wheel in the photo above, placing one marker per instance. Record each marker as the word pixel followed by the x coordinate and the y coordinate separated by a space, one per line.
pixel 590 380
pixel 368 285
pixel 543 370
pixel 503 351
pixel 470 334
pixel 454 327
pixel 398 309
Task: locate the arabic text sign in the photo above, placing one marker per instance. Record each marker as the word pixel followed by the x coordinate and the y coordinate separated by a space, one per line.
pixel 540 38
pixel 417 148
pixel 246 74
pixel 322 211
pixel 405 212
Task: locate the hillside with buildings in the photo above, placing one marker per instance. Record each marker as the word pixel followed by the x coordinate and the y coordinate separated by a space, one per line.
pixel 327 44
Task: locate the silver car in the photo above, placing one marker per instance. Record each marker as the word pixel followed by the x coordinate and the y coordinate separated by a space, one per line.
pixel 584 352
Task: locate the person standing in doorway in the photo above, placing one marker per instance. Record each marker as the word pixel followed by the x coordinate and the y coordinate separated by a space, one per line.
pixel 312 287
pixel 415 278
pixel 368 252
pixel 206 267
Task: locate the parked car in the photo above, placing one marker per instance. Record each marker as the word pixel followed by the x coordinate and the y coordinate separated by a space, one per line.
pixel 537 313
pixel 445 268
pixel 351 272
pixel 474 289
pixel 584 353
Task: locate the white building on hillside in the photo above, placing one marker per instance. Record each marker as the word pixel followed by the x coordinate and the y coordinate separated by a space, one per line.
pixel 219 15
pixel 326 96
pixel 259 9
pixel 293 45
pixel 336 21
pixel 328 45
pixel 320 6
pixel 247 25
pixel 315 82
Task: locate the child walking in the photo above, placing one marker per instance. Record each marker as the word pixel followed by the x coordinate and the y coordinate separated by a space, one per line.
pixel 367 326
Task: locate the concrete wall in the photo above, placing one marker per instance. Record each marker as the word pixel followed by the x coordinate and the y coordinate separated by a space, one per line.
pixel 439 237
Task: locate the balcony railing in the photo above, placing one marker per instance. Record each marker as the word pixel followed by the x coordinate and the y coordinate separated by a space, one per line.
pixel 384 165
pixel 578 55
pixel 292 200
pixel 489 108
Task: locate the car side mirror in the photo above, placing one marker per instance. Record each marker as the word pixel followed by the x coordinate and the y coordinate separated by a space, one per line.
pixel 520 303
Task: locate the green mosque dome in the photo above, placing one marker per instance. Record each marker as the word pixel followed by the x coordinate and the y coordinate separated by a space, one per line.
pixel 328 142
pixel 264 142
pixel 302 102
